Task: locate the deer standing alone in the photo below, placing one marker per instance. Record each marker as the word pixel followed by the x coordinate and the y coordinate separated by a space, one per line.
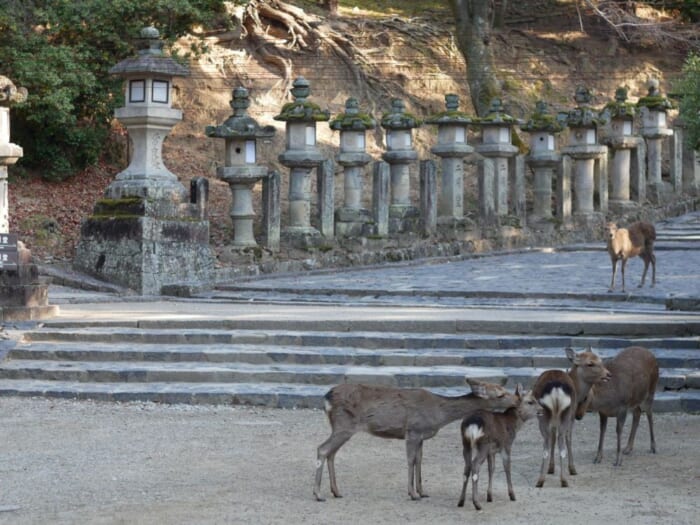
pixel 413 414
pixel 558 393
pixel 635 373
pixel 484 434
pixel 625 243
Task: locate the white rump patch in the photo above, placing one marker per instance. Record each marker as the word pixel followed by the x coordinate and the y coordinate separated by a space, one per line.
pixel 557 400
pixel 473 432
pixel 327 406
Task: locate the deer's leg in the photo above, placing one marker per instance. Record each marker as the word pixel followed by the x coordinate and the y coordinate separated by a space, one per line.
pixel 622 271
pixel 467 453
pixel 652 258
pixel 506 468
pixel 646 260
pixel 546 437
pixel 569 448
pixel 603 425
pixel 650 420
pixel 621 416
pixel 552 444
pixel 412 446
pixel 419 476
pixel 491 458
pixel 636 416
pixel 614 269
pixel 561 442
pixel 476 467
pixel 326 452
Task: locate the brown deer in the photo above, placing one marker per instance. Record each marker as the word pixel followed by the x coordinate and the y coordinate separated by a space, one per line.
pixel 558 393
pixel 635 373
pixel 413 414
pixel 625 243
pixel 485 433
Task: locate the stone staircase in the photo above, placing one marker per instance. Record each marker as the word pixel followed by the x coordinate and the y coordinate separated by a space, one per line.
pixel 295 366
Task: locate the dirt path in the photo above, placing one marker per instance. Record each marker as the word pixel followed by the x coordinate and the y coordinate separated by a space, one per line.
pixel 65 462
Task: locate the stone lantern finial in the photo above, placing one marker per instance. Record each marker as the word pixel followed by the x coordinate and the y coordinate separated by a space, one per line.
pixel 11 94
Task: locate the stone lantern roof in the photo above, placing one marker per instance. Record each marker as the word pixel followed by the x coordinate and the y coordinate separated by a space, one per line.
pixel 240 124
pixel 654 99
pixel 301 110
pixel 452 115
pixel 353 119
pixel 620 108
pixel 496 115
pixel 150 59
pixel 543 120
pixel 11 94
pixel 397 118
pixel 583 116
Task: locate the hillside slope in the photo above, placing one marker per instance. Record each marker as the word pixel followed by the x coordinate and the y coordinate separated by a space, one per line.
pixel 541 54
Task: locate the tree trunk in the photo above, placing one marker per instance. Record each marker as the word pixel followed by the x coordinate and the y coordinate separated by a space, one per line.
pixel 473 20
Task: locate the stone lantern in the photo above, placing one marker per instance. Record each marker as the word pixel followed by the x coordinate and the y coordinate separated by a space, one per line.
pixel 301 156
pixel 497 127
pixel 544 158
pixel 350 220
pixel 621 114
pixel 24 295
pixel 147 234
pixel 240 170
pixel 451 147
pixel 588 156
pixel 399 125
pixel 654 129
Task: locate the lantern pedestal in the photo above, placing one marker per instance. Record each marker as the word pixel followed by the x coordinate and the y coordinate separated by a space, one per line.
pixel 145 234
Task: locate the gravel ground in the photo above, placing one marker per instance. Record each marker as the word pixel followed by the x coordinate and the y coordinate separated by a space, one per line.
pixel 69 462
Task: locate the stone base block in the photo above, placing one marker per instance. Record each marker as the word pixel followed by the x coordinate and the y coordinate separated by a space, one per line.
pixel 302 238
pixel 592 221
pixel 622 207
pixel 351 222
pixel 28 313
pixel 145 253
pixel 404 219
pixel 660 192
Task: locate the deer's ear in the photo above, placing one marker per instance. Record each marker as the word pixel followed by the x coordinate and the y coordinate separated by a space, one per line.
pixel 478 388
pixel 519 390
pixel 571 354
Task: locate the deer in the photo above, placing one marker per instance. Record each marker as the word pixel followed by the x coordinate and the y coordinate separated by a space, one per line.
pixel 625 243
pixel 558 393
pixel 635 374
pixel 412 414
pixel 485 433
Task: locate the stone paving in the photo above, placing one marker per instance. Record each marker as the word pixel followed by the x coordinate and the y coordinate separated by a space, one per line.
pixel 283 340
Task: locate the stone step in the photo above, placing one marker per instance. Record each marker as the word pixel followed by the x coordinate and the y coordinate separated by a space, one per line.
pixel 334 338
pixel 184 372
pixel 278 395
pixel 545 353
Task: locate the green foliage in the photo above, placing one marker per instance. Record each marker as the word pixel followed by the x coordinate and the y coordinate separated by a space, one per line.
pixel 688 88
pixel 61 51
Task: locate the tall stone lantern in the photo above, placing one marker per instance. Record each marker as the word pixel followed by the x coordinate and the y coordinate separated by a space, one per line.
pixel 621 141
pixel 451 147
pixel 240 171
pixel 350 220
pixel 654 129
pixel 587 156
pixel 399 126
pixel 24 294
pixel 301 156
pixel 146 234
pixel 544 158
pixel 496 145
